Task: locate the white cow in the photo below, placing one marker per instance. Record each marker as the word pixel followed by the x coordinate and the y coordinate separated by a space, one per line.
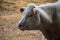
pixel 45 18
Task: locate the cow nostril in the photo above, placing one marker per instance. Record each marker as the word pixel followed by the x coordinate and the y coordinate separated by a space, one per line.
pixel 20 26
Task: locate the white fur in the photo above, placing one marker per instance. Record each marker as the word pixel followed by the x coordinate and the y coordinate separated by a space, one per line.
pixel 43 13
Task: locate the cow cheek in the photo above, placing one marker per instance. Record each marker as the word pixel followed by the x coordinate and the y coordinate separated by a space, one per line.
pixel 31 24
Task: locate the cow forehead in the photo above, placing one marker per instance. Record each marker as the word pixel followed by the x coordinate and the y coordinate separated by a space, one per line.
pixel 28 11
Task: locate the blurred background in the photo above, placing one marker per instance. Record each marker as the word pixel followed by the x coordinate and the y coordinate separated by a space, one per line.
pixel 9 17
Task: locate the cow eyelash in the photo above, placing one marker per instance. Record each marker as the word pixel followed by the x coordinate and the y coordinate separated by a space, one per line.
pixel 30 15
pixel 33 14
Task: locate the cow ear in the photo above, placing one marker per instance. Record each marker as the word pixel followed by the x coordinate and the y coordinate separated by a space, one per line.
pixel 22 9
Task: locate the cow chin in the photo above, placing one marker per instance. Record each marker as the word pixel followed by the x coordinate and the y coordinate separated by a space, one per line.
pixel 21 29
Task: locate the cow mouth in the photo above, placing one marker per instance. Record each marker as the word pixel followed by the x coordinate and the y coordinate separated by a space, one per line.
pixel 21 28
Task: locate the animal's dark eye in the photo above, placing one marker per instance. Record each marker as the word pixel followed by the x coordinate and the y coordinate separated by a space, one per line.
pixel 30 15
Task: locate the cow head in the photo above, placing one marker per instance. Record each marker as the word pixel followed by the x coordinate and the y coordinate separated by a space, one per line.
pixel 31 18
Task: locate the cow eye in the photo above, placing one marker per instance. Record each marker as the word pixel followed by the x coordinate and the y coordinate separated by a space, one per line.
pixel 30 15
